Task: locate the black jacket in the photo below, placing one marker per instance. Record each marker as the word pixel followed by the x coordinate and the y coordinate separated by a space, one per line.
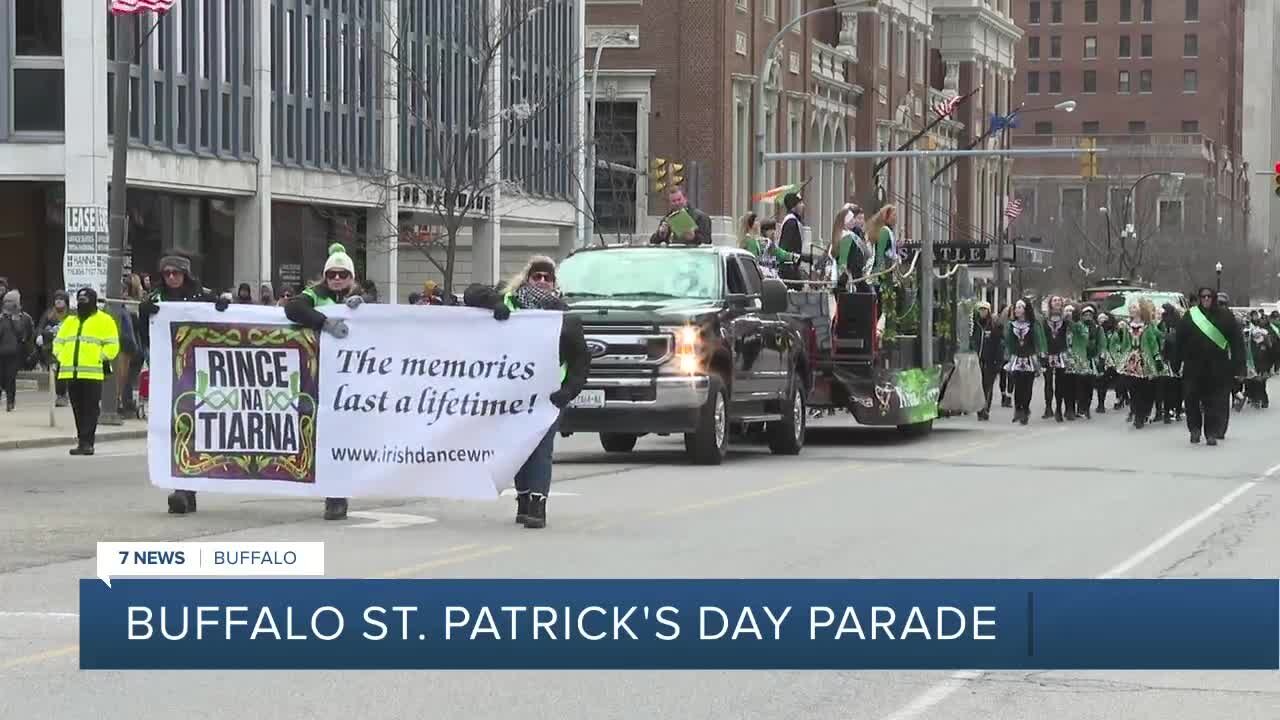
pixel 1199 359
pixel 573 342
pixel 189 291
pixel 302 308
pixel 988 342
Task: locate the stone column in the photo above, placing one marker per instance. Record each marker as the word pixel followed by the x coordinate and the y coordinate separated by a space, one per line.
pixel 382 224
pixel 253 261
pixel 86 152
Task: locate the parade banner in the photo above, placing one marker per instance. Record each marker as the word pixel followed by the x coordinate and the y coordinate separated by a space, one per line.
pixel 693 624
pixel 414 402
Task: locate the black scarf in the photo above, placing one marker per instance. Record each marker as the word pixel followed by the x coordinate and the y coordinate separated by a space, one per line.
pixel 532 297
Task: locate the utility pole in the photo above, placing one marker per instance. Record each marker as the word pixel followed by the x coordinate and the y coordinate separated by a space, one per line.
pixel 119 198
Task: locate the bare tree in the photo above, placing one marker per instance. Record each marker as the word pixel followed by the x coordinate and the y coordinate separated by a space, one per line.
pixel 469 102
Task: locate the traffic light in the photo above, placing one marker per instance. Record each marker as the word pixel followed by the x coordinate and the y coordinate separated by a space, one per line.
pixel 1277 180
pixel 1089 160
pixel 666 175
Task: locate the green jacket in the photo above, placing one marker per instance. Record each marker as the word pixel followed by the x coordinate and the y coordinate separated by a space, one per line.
pixel 1149 344
pixel 755 245
pixel 1084 342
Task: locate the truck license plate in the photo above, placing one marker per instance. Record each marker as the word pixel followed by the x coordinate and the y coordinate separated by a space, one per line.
pixel 588 399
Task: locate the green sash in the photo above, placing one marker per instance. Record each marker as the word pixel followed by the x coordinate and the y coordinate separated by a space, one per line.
pixel 1209 329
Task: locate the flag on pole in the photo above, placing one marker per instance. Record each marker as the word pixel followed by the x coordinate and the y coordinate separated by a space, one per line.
pixel 776 194
pixel 133 7
pixel 948 106
pixel 1012 209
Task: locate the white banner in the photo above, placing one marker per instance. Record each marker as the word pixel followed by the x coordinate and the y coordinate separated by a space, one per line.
pixel 414 402
pixel 84 257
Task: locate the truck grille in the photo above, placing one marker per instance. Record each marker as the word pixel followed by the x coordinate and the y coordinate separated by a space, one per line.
pixel 613 349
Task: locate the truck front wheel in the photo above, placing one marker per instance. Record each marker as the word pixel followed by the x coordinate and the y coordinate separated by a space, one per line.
pixel 617 442
pixel 786 437
pixel 709 444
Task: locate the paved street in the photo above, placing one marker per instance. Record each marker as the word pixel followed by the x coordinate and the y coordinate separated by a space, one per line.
pixel 1091 499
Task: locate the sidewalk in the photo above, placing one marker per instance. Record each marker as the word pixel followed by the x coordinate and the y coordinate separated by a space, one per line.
pixel 28 425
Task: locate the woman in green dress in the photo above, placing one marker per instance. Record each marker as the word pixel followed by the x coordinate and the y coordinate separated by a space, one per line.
pixel 759 239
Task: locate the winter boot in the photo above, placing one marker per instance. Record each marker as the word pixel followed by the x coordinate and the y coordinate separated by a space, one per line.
pixel 77 450
pixel 8 406
pixel 1211 440
pixel 61 401
pixel 522 507
pixel 1195 438
pixel 335 508
pixel 1048 413
pixel 1006 401
pixel 537 511
pixel 182 502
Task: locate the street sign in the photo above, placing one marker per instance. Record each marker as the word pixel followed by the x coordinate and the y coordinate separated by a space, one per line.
pixel 84 260
pixel 955 253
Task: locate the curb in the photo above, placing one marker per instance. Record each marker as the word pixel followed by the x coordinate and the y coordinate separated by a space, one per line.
pixel 47 442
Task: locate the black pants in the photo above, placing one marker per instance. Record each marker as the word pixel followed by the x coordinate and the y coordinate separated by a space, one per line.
pixel 1169 394
pixel 1022 383
pixel 1005 385
pixel 1101 383
pixel 1142 392
pixel 1207 405
pixel 86 399
pixel 989 375
pixel 9 376
pixel 60 387
pixel 1058 385
pixel 1084 393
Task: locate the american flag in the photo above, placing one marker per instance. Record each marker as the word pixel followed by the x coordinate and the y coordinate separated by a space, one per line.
pixel 133 7
pixel 1012 209
pixel 948 106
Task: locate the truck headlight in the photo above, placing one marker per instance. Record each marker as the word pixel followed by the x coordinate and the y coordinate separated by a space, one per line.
pixel 688 364
pixel 688 340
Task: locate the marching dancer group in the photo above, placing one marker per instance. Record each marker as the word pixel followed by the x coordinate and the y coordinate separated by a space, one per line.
pixel 1163 365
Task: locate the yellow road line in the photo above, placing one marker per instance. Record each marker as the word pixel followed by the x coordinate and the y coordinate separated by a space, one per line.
pixel 39 657
pixel 442 562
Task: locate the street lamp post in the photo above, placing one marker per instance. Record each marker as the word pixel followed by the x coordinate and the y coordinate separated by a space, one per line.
pixel 589 184
pixel 762 130
pixel 1131 203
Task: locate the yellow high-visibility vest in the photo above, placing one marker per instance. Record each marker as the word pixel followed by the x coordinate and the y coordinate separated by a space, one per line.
pixel 82 347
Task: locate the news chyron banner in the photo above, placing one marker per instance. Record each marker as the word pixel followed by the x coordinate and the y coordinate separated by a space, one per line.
pixel 413 402
pixel 644 624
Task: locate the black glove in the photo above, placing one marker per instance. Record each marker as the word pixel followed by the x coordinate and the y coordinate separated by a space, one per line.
pixel 221 304
pixel 147 308
pixel 560 398
pixel 501 311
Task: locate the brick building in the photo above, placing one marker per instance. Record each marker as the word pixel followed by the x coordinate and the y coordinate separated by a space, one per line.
pixel 680 87
pixel 1158 84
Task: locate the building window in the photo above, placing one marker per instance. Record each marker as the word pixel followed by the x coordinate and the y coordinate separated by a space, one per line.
pixel 1089 127
pixel 616 126
pixel 1033 12
pixel 1055 47
pixel 1137 126
pixel 37 28
pixel 1090 48
pixel 1055 82
pixel 1193 10
pixel 1126 46
pixel 1190 126
pixel 1091 11
pixel 1146 10
pixel 1033 83
pixel 1191 45
pixel 1169 215
pixel 1126 10
pixel 1033 47
pixel 1091 81
pixel 1148 46
pixel 883 50
pixel 1071 204
pixel 919 58
pixel 771 10
pixel 901 50
pixel 1044 127
pixel 797 9
pixel 1122 84
pixel 1144 81
pixel 742 5
pixel 1055 12
pixel 1190 81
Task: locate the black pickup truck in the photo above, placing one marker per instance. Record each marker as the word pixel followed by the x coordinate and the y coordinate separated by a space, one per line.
pixel 687 340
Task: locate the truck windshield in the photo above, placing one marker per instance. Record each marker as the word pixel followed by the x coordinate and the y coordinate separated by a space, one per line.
pixel 641 272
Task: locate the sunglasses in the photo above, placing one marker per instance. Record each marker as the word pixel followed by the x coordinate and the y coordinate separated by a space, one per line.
pixel 1207 297
pixel 170 272
pixel 542 277
pixel 337 275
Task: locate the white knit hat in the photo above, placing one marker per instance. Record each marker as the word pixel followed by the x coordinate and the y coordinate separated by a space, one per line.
pixel 339 259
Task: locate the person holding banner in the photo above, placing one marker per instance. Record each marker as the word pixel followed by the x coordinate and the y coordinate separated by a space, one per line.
pixel 1210 355
pixel 86 344
pixel 177 285
pixel 534 288
pixel 337 287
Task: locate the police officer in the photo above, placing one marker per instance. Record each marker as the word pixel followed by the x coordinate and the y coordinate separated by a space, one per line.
pixel 86 342
pixel 336 287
